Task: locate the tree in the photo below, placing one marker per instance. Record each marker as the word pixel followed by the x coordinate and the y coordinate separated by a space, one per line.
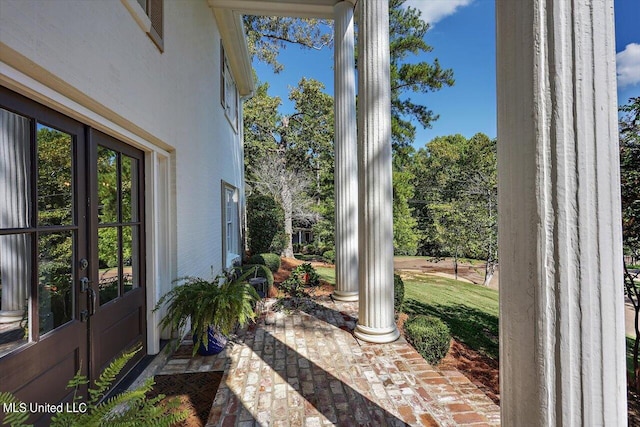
pixel 287 154
pixel 266 35
pixel 629 126
pixel 407 33
pixel 405 235
pixel 482 186
pixel 456 198
pixel 630 176
pixel 265 221
pixel 407 41
pixel 55 207
pixel 288 187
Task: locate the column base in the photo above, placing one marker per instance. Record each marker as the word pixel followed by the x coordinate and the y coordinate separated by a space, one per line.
pixel 376 335
pixel 347 296
pixel 10 316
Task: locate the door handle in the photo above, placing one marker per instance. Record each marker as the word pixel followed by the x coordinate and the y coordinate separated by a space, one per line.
pixel 93 296
pixel 85 286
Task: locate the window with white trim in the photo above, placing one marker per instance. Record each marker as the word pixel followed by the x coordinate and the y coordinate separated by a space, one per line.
pixel 228 90
pixel 231 225
pixel 149 14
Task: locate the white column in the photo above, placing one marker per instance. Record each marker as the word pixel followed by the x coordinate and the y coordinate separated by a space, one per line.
pixel 346 146
pixel 15 269
pixel 562 347
pixel 376 321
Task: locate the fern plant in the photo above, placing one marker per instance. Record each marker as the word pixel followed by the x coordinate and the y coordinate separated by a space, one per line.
pixel 130 408
pixel 222 303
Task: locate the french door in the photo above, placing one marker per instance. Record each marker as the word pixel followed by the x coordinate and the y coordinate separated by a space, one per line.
pixel 117 318
pixel 72 291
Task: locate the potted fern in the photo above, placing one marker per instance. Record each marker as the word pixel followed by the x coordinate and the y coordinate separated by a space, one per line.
pixel 215 308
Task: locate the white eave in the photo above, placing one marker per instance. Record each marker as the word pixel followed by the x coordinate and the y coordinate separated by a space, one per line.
pixel 295 8
pixel 235 44
pixel 229 13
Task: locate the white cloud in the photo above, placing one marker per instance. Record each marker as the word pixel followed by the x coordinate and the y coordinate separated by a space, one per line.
pixel 435 10
pixel 628 65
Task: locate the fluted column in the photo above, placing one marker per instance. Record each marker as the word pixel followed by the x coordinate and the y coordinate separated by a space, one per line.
pixel 346 146
pixel 15 271
pixel 376 321
pixel 562 349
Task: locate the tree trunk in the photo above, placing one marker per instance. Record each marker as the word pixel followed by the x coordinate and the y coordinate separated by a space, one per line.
pixel 287 205
pixel 455 264
pixel 634 296
pixel 489 270
pixel 636 345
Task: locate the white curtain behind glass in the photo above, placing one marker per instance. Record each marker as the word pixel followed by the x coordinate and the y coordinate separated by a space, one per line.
pixel 15 212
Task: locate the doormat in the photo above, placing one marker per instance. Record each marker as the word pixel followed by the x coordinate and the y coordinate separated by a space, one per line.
pixel 185 351
pixel 195 391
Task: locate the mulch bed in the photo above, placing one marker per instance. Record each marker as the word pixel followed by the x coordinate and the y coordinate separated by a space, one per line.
pixel 195 391
pixel 481 370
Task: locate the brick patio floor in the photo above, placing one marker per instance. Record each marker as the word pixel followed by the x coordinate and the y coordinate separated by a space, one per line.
pixel 305 368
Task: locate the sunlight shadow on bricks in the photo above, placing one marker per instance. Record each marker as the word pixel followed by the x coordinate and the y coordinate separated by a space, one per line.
pixel 314 392
pixel 306 368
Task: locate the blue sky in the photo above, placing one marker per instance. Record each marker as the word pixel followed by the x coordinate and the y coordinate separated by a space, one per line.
pixel 463 38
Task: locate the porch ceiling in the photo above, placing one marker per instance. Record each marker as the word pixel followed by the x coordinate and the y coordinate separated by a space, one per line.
pixel 293 8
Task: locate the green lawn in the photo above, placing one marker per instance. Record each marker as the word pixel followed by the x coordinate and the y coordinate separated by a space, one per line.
pixel 470 311
pixel 469 261
pixel 327 273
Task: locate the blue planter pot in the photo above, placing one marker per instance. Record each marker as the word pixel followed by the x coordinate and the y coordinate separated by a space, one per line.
pixel 216 343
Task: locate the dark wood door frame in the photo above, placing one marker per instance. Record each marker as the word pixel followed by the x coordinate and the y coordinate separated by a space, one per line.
pixel 38 371
pixel 119 324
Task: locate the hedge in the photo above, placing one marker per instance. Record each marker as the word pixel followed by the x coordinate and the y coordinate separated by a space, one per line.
pixel 330 256
pixel 398 293
pixel 270 260
pixel 265 224
pixel 429 336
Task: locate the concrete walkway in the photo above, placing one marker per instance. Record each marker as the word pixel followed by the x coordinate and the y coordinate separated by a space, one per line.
pixel 305 368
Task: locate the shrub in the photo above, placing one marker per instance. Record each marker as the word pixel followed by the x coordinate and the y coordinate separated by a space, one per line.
pixel 132 407
pixel 398 293
pixel 330 256
pixel 312 279
pixel 262 272
pixel 293 287
pixel 270 260
pixel 265 223
pixel 429 336
pixel 295 284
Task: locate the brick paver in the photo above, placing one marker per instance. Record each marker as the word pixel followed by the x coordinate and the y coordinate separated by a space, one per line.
pixel 305 368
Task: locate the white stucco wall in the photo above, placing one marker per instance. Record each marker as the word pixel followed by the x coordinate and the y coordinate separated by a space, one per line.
pixel 95 53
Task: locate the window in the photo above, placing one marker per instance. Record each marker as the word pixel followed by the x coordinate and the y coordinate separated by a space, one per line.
pixel 38 226
pixel 150 18
pixel 228 90
pixel 231 225
pixel 119 223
